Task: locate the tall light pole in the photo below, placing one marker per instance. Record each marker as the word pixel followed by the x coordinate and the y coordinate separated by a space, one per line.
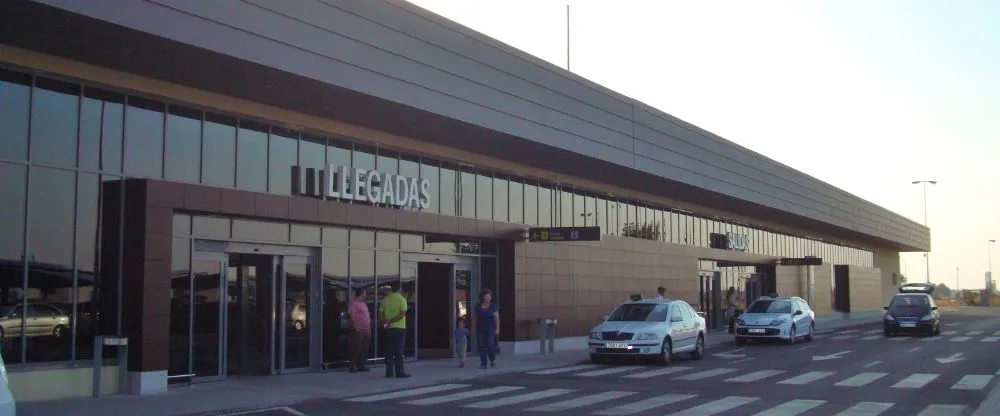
pixel 989 258
pixel 927 255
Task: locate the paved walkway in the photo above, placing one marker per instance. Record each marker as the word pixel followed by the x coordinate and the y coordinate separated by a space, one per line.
pixel 264 392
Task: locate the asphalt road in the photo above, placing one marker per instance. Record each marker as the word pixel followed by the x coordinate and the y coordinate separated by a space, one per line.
pixel 856 372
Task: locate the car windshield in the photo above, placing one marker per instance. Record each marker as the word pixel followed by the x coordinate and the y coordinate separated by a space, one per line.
pixel 640 312
pixel 907 302
pixel 770 306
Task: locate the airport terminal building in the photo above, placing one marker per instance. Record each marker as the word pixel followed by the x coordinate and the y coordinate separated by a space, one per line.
pixel 213 179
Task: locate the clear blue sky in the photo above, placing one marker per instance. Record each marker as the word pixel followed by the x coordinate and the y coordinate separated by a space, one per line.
pixel 865 95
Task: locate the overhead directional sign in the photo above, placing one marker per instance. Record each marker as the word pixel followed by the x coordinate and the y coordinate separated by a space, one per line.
pixel 829 357
pixel 564 234
pixel 803 261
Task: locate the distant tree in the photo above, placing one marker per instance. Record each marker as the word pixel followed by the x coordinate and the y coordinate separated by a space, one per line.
pixel 648 231
pixel 942 291
pixel 902 279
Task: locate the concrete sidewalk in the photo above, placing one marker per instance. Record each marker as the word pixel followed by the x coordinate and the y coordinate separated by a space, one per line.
pixel 266 392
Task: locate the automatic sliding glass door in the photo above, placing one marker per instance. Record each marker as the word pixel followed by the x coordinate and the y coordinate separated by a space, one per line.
pixel 208 300
pixel 293 286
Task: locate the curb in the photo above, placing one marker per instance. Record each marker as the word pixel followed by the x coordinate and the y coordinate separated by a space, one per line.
pixel 990 406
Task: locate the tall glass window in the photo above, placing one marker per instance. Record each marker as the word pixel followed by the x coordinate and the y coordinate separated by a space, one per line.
pixel 565 208
pixel 102 118
pixel 601 212
pixel 12 209
pixel 144 137
pixel 409 166
pixel 432 173
pixel 312 155
pixel 54 112
pixel 545 211
pixel 282 155
pixel 500 201
pixel 337 294
pixel 516 213
pixel 183 145
pixel 15 105
pixel 467 192
pixel 484 197
pixel 579 211
pixel 449 191
pixel 218 166
pixel 251 156
pixel 88 213
pixel 532 204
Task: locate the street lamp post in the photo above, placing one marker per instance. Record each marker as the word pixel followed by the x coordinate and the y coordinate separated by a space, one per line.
pixel 989 258
pixel 927 255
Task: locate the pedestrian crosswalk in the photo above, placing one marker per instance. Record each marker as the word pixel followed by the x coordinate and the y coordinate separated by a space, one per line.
pixel 948 336
pixel 624 403
pixel 845 379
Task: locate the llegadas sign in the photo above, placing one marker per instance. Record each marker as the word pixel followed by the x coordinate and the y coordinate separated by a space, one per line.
pixel 367 186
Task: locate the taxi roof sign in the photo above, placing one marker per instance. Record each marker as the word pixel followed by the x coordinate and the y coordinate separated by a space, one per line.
pixel 926 288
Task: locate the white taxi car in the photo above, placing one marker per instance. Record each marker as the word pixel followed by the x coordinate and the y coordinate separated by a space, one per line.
pixel 655 328
pixel 784 318
pixel 7 406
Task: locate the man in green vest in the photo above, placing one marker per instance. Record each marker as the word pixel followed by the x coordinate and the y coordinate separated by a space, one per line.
pixel 393 313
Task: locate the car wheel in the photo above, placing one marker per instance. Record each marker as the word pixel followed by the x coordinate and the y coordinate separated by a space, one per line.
pixel 299 325
pixel 791 335
pixel 597 359
pixel 812 329
pixel 741 341
pixel 666 352
pixel 937 329
pixel 59 331
pixel 699 348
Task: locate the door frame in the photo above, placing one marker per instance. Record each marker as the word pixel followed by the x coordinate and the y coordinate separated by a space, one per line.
pixel 471 263
pixel 223 319
pixel 214 249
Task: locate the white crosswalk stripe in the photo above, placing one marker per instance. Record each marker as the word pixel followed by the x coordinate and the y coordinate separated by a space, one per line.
pixel 930 339
pixel 959 339
pixel 974 333
pixel 972 382
pixel 990 339
pixel 464 395
pixel 898 339
pixel 717 406
pixel 915 381
pixel 876 331
pixel 645 405
pixel 843 337
pixel 862 379
pixel 582 401
pixel 521 398
pixel 706 374
pixel 807 377
pixel 871 337
pixel 564 369
pixel 996 333
pixel 792 408
pixel 606 371
pixel 866 409
pixel 657 372
pixel 407 393
pixel 942 410
pixel 754 376
pixel 949 332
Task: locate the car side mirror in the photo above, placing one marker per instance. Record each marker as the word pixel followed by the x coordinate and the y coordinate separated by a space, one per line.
pixel 885 308
pixel 934 308
pixel 798 312
pixel 605 317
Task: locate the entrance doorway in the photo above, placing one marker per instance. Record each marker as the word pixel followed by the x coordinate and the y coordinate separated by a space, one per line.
pixel 251 313
pixel 447 293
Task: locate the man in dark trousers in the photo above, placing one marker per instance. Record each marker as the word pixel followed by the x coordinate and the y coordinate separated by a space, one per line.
pixel 394 322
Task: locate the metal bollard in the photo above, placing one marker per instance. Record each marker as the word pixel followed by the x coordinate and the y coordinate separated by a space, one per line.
pixel 547 330
pixel 100 341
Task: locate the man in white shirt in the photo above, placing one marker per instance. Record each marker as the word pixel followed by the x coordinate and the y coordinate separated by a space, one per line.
pixel 662 292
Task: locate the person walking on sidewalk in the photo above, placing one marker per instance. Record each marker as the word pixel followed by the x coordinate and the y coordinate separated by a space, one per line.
pixel 731 308
pixel 361 332
pixel 393 310
pixel 487 328
pixel 661 293
pixel 461 342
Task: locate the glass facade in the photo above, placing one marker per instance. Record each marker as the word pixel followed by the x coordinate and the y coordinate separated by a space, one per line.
pixel 59 141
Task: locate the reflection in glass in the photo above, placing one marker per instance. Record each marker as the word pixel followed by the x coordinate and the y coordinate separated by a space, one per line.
pixel 364 157
pixel 312 155
pixel 449 191
pixel 500 202
pixel 362 267
pixel 408 288
pixel 206 344
pixel 88 211
pixel 260 231
pixel 183 146
pixel 545 213
pixel 387 240
pixel 431 173
pixel 362 238
pixel 180 307
pixel 101 117
pixel 530 204
pixel 516 202
pixel 410 168
pixel 12 208
pixel 282 155
pixel 51 202
pixel 484 197
pixel 144 138
pixel 336 297
pixel 565 208
pixel 298 276
pixel 333 236
pixel 579 211
pixel 387 272
pixel 15 99
pixel 54 110
pixel 219 154
pixel 338 153
pixel 467 194
pixel 251 157
pixel 601 211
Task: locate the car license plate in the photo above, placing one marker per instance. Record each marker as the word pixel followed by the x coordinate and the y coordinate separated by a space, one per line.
pixel 756 330
pixel 907 325
pixel 617 345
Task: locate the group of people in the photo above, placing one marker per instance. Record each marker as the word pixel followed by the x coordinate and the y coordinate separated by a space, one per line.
pixel 392 314
pixel 732 298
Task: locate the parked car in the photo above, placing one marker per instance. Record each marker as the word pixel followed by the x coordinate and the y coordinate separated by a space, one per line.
pixel 7 406
pixel 658 329
pixel 783 318
pixel 912 311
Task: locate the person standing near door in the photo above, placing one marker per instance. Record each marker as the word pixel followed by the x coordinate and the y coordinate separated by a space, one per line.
pixel 393 314
pixel 661 293
pixel 361 332
pixel 487 328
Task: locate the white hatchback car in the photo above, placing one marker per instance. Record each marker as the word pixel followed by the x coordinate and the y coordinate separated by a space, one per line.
pixel 784 318
pixel 649 329
pixel 7 406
